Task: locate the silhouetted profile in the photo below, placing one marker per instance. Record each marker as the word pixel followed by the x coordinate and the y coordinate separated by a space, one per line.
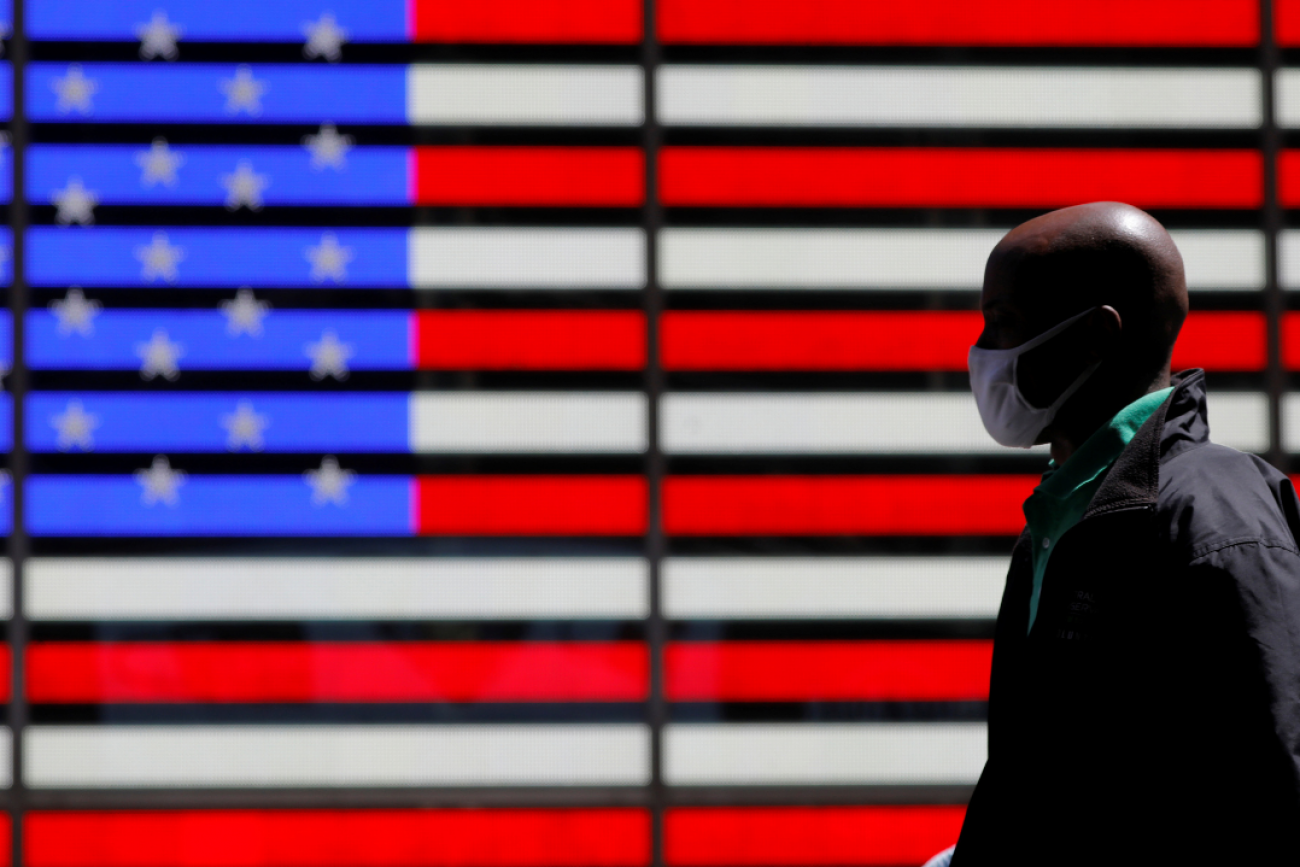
pixel 1145 696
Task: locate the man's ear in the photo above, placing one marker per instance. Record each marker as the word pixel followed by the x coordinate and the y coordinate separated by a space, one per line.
pixel 1106 326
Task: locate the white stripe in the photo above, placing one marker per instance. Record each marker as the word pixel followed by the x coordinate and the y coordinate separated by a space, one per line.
pixel 518 95
pixel 1222 259
pixel 1289 258
pixel 820 423
pixel 776 588
pixel 824 258
pixel 958 96
pixel 333 588
pixel 1290 422
pixel 6 757
pixel 450 258
pixel 6 588
pixel 879 423
pixel 1239 420
pixel 829 754
pixel 867 259
pixel 528 422
pixel 97 757
pixel 1288 97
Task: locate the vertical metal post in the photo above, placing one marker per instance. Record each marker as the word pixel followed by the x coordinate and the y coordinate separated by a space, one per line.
pixel 1272 218
pixel 656 627
pixel 18 461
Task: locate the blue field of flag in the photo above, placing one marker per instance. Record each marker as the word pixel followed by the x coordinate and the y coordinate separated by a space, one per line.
pixel 215 422
pixel 247 176
pixel 6 422
pixel 204 21
pixel 221 257
pixel 6 264
pixel 6 340
pixel 161 501
pixel 216 93
pixel 205 340
pixel 6 91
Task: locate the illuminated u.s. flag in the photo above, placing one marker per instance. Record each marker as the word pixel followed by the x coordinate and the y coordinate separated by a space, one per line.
pixel 536 434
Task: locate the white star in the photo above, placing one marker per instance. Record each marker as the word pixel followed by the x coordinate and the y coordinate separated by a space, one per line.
pixel 160 482
pixel 76 427
pixel 325 38
pixel 330 483
pixel 329 357
pixel 76 313
pixel 243 91
pixel 158 164
pixel 244 187
pixel 158 37
pixel 75 203
pixel 159 356
pixel 328 148
pixel 329 260
pixel 244 313
pixel 244 427
pixel 75 91
pixel 159 259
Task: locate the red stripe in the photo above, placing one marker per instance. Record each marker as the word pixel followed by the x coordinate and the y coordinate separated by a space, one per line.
pixel 1286 22
pixel 574 176
pixel 1223 342
pixel 1288 168
pixel 829 671
pixel 958 177
pixel 531 505
pixel 6 674
pixel 961 22
pixel 1291 341
pixel 836 505
pixel 554 21
pixel 530 340
pixel 807 836
pixel 801 340
pixel 394 672
pixel 886 340
pixel 338 838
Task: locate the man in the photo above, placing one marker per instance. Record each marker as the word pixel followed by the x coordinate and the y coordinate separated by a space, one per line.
pixel 1145 697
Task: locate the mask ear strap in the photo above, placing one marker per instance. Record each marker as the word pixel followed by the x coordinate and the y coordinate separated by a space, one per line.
pixel 1075 386
pixel 1047 335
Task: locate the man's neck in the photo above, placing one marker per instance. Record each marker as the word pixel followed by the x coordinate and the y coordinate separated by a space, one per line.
pixel 1073 431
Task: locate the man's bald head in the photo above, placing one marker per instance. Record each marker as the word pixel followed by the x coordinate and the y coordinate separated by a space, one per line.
pixel 1086 256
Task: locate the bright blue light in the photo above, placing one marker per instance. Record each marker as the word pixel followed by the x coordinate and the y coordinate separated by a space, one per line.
pixel 197 422
pixel 193 93
pixel 114 174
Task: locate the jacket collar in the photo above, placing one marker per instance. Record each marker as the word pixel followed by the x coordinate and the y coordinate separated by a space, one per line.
pixel 1179 424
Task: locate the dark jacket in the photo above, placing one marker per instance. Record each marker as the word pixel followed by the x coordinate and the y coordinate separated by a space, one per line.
pixel 1154 710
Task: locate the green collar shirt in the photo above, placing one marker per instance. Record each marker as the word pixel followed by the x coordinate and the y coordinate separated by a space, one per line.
pixel 1063 496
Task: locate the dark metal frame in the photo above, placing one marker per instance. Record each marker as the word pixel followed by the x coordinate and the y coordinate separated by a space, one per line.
pixel 19 546
pixel 655 543
pixel 1273 219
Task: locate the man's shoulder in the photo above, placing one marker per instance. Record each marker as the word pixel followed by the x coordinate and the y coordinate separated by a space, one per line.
pixel 1213 494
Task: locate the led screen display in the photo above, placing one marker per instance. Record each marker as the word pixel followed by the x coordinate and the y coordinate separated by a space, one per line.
pixel 535 433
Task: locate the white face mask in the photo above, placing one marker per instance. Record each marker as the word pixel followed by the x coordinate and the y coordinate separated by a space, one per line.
pixel 1007 416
